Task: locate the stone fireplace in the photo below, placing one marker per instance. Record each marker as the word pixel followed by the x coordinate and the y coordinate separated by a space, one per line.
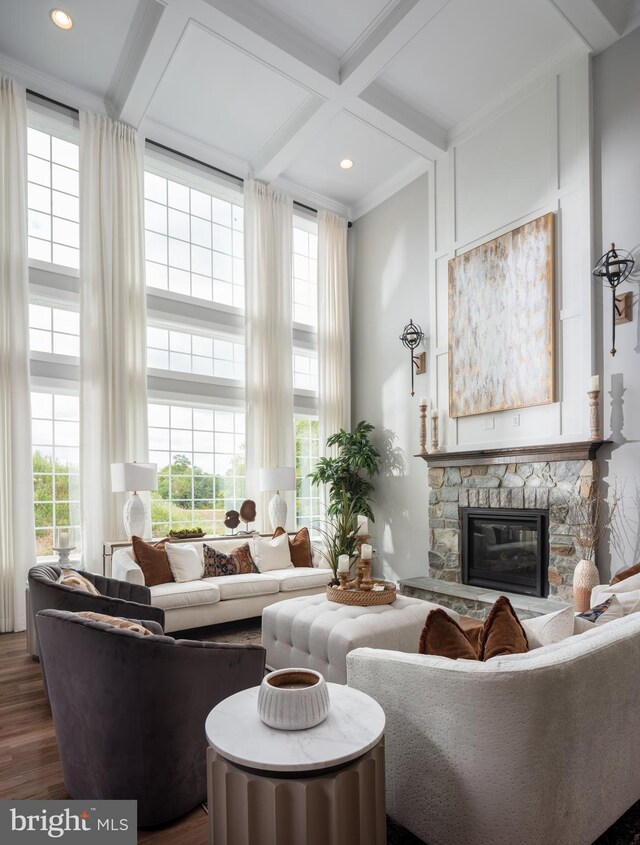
pixel 548 480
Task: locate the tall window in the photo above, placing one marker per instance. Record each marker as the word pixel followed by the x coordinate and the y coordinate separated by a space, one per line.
pixel 305 365
pixel 56 441
pixel 201 468
pixel 53 191
pixel 54 330
pixel 195 345
pixel 194 242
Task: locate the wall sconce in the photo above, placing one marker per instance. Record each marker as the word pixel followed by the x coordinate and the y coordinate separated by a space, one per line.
pixel 412 335
pixel 612 269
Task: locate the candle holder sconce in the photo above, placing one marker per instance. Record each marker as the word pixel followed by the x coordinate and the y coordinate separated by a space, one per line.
pixel 613 268
pixel 411 337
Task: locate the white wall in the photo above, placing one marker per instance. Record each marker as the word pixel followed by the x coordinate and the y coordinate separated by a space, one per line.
pixel 390 254
pixel 523 159
pixel 616 76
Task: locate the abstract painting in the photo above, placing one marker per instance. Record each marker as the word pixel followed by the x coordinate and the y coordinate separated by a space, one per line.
pixel 501 319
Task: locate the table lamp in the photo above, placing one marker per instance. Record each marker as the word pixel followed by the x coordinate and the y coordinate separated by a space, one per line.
pixel 273 480
pixel 131 477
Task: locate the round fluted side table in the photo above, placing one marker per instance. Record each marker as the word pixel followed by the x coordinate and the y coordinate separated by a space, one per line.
pixel 323 785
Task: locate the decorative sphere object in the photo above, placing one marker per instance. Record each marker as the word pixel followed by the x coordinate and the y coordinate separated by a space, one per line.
pixel 293 699
pixel 248 511
pixel 232 519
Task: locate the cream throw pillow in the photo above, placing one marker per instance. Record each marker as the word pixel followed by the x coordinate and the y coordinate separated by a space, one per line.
pixel 184 561
pixel 550 628
pixel 272 553
pixel 72 578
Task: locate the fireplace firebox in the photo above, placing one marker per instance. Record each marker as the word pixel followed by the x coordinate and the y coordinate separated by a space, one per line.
pixel 506 549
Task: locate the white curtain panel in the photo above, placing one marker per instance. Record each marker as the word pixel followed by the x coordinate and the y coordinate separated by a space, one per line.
pixel 17 540
pixel 334 385
pixel 268 222
pixel 113 366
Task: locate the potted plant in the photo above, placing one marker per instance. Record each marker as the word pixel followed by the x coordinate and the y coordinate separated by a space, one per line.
pixel 348 475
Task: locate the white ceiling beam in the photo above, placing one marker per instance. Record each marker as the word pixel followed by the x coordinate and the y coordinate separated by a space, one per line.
pixel 151 67
pixel 588 22
pixel 390 37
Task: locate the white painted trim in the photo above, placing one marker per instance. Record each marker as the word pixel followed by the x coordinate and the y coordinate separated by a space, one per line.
pixel 390 187
pixel 311 198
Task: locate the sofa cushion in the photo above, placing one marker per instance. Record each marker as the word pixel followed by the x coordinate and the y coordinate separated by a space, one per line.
pixel 116 622
pixel 71 578
pixel 185 562
pixel 185 594
pixel 152 560
pixel 625 573
pixel 550 628
pixel 238 561
pixel 299 547
pixel 239 586
pixel 502 632
pixel 604 612
pixel 300 578
pixel 443 637
pixel 272 553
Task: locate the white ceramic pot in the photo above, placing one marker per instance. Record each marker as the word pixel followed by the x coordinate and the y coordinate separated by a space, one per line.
pixel 293 699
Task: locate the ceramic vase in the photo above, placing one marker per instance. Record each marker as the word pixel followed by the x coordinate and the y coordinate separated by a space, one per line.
pixel 293 699
pixel 585 578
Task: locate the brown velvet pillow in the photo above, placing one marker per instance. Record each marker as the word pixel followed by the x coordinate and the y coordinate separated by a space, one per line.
pixel 153 561
pixel 502 632
pixel 116 622
pixel 443 637
pixel 299 547
pixel 71 578
pixel 625 573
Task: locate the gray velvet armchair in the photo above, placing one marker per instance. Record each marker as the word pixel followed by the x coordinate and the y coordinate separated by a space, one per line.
pixel 117 598
pixel 129 710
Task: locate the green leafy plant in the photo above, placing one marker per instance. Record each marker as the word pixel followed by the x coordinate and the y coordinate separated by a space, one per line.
pixel 186 532
pixel 348 474
pixel 338 532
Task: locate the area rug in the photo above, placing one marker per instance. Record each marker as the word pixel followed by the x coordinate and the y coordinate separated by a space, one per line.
pixel 626 831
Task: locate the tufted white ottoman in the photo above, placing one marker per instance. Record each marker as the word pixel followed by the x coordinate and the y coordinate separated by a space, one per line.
pixel 312 632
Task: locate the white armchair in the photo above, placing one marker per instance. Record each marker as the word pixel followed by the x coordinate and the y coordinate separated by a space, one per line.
pixel 534 749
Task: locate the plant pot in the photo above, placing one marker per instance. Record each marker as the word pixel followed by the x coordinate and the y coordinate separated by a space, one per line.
pixel 293 699
pixel 585 578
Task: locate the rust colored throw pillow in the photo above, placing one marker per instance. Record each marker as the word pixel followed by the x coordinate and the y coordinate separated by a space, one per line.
pixel 239 561
pixel 624 574
pixel 443 637
pixel 299 547
pixel 71 578
pixel 152 560
pixel 502 632
pixel 116 622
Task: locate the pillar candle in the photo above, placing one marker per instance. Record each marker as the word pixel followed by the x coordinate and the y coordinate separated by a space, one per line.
pixel 363 526
pixel 423 400
pixel 343 563
pixel 366 552
pixel 434 414
pixel 594 383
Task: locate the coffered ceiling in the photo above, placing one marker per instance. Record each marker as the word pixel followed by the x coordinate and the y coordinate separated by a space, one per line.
pixel 285 89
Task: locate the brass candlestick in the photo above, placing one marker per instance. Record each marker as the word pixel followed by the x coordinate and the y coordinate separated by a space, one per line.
pixel 594 414
pixel 423 430
pixel 434 433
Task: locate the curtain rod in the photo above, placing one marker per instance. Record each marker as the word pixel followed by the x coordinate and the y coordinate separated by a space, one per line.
pixel 226 173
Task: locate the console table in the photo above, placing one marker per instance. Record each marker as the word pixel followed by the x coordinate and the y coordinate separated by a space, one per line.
pixel 322 785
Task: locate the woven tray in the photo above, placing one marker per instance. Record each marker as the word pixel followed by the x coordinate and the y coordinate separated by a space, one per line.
pixel 364 598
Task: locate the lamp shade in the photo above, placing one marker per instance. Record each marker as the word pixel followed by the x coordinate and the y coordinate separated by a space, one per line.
pixel 131 476
pixel 277 478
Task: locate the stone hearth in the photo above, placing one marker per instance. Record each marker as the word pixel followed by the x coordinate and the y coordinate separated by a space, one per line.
pixel 553 478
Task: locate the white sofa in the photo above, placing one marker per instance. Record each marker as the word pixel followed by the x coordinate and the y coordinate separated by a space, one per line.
pixel 209 601
pixel 533 749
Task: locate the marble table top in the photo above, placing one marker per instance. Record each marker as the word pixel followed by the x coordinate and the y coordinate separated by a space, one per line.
pixel 354 725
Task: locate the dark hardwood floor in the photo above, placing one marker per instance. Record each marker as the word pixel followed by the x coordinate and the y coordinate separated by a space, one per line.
pixel 29 764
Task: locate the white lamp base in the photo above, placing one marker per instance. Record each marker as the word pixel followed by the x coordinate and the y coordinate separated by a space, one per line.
pixel 134 516
pixel 278 512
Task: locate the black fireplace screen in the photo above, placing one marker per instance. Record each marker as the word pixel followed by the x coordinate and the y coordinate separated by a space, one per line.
pixel 506 550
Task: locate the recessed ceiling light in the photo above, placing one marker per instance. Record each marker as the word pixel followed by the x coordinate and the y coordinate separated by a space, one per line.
pixel 346 164
pixel 61 19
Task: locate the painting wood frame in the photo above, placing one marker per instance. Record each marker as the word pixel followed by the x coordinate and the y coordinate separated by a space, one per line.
pixel 501 322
